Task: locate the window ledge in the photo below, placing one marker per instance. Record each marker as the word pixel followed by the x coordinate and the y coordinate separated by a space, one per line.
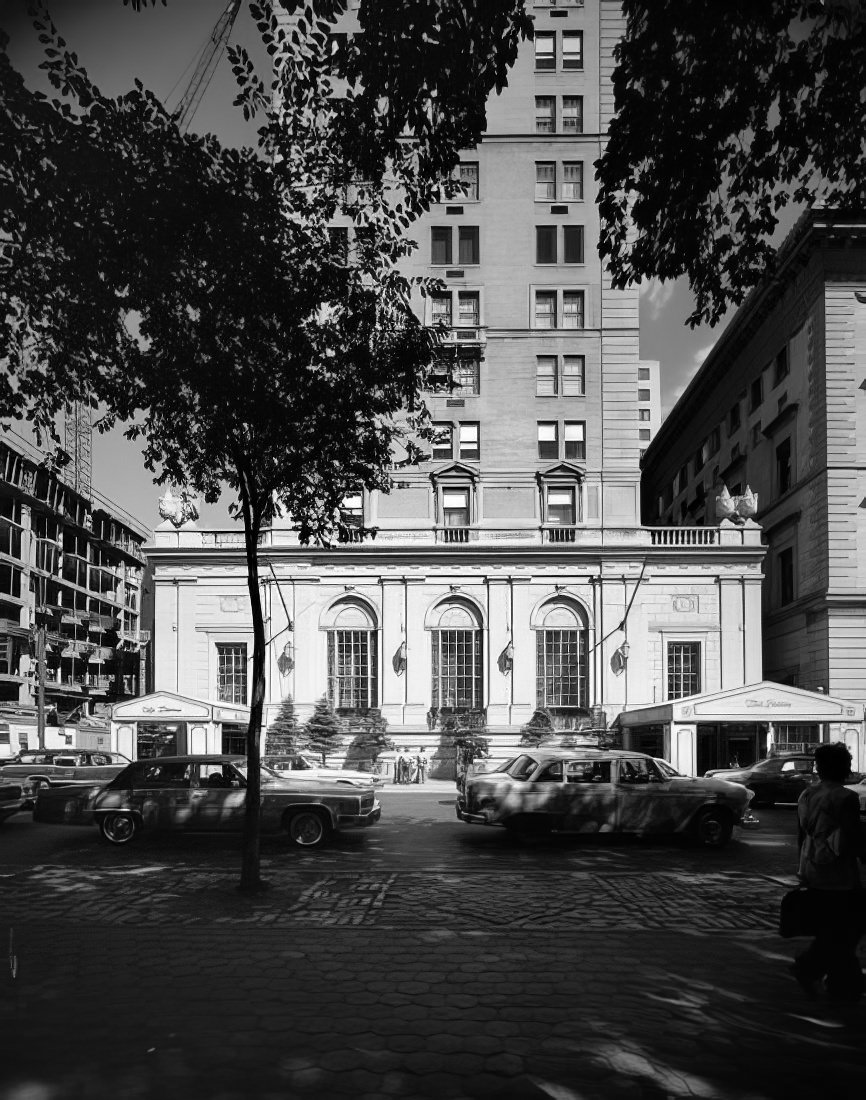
pixel 787 414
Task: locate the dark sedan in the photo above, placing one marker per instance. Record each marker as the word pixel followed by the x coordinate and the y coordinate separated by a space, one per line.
pixel 777 779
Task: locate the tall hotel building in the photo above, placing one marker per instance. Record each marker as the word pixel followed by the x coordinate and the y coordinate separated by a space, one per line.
pixel 509 571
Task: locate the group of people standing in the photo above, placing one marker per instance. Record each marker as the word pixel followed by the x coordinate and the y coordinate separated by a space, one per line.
pixel 411 769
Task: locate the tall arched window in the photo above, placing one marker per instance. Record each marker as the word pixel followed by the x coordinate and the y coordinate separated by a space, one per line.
pixel 353 666
pixel 458 682
pixel 561 662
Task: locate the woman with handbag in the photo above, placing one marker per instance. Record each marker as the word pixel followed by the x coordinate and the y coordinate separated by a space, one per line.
pixel 830 848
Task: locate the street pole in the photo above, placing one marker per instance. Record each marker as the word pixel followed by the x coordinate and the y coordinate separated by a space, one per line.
pixel 40 684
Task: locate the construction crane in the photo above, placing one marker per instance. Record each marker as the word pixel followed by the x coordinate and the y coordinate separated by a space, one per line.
pixel 207 62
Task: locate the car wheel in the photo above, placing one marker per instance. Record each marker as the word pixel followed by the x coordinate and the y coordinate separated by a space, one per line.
pixel 307 829
pixel 713 828
pixel 118 828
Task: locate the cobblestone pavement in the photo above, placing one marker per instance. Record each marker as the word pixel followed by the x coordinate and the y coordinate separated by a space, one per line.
pixel 559 971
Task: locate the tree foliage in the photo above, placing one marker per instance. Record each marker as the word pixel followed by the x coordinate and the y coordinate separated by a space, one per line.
pixel 538 730
pixel 323 730
pixel 725 114
pixel 372 737
pixel 284 735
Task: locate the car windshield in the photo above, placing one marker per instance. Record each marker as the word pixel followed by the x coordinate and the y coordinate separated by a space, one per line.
pixel 241 766
pixel 667 770
pixel 521 767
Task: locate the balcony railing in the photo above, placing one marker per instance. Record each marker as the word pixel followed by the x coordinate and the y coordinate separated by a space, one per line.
pixel 560 533
pixel 455 534
pixel 684 536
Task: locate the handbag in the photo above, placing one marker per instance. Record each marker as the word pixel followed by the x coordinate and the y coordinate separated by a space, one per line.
pixel 798 914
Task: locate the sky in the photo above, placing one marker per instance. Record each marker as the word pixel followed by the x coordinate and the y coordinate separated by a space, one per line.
pixel 159 45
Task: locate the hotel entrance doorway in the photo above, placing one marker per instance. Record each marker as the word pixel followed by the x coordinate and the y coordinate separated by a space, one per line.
pixel 730 744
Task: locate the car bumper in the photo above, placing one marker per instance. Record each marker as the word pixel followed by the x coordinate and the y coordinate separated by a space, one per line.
pixel 360 821
pixel 471 819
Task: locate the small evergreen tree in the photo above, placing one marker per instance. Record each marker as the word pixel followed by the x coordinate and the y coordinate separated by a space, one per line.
pixel 323 730
pixel 283 734
pixel 538 730
pixel 372 737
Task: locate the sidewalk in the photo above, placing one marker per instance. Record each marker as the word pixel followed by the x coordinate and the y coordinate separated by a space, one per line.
pixel 446 786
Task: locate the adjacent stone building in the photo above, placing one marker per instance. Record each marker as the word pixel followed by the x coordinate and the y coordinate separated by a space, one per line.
pixel 779 406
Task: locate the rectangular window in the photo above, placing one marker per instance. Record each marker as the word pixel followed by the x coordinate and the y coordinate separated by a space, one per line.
pixel 575 439
pixel 466 375
pixel 545 51
pixel 572 49
pixel 756 434
pixel 441 309
pixel 352 670
pixel 561 668
pixel 545 244
pixel 457 670
pixel 644 414
pixel 560 506
pixel 784 478
pixel 573 244
pixel 734 418
pixel 643 395
pixel 470 445
pixel 684 669
pixel 756 393
pixel 468 309
pixel 339 237
pixel 545 376
pixel 572 309
pixel 715 441
pixel 572 180
pixel 643 374
pixel 785 564
pixel 468 175
pixel 548 439
pixel 232 673
pixel 545 309
pixel 469 251
pixel 440 244
pixel 545 180
pixel 545 114
pixel 782 366
pixel 644 434
pixel 442 441
pixel 352 510
pixel 572 114
pixel 573 376
pixel 455 507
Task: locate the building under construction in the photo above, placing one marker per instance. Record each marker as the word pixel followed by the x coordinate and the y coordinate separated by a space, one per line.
pixel 71 579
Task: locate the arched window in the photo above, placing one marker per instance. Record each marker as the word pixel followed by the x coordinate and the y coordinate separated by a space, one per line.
pixel 561 662
pixel 353 665
pixel 458 682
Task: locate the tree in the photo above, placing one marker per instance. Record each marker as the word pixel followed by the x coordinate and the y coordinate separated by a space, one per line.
pixel 538 730
pixel 372 737
pixel 283 734
pixel 725 114
pixel 323 730
pixel 197 292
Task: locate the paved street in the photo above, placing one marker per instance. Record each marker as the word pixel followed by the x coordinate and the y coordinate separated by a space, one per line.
pixel 421 958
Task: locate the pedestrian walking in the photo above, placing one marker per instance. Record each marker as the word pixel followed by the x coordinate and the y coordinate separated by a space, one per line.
pixel 831 845
pixel 423 763
pixel 399 765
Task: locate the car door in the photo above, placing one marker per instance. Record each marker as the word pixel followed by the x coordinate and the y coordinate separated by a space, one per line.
pixel 647 799
pixel 161 793
pixel 218 797
pixel 794 777
pixel 590 801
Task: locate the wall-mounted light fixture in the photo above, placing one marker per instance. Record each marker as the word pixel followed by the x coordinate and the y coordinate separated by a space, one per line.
pixel 506 659
pixel 286 660
pixel 398 661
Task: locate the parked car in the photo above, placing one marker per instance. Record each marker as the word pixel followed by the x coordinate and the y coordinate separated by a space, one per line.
pixel 781 778
pixel 207 794
pixel 603 791
pixel 859 789
pixel 38 768
pixel 11 799
pixel 302 766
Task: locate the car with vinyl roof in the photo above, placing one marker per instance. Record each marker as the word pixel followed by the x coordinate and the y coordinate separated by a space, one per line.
pixel 603 791
pixel 208 794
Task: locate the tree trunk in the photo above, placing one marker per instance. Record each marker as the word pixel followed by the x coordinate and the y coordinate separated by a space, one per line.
pixel 251 881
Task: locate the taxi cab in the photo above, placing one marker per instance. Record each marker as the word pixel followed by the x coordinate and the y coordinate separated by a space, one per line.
pixel 603 791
